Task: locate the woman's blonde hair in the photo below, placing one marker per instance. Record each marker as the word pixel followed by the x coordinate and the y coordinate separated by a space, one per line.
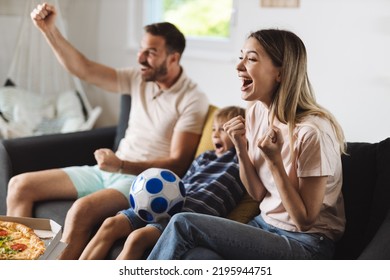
pixel 294 98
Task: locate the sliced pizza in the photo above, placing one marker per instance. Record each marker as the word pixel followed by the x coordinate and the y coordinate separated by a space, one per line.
pixel 19 242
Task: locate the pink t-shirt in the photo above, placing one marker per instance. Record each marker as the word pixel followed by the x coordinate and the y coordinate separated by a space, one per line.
pixel 317 153
pixel 156 114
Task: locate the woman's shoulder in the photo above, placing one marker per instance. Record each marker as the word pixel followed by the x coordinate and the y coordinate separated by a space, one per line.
pixel 315 127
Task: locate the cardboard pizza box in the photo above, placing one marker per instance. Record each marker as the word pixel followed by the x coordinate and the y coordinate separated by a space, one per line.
pixel 48 230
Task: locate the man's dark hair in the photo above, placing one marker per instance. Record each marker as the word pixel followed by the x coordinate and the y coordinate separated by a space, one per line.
pixel 174 39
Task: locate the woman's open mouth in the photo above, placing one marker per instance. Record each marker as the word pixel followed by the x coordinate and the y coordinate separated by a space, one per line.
pixel 246 84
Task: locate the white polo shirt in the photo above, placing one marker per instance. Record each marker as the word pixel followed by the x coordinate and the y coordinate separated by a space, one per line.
pixel 155 114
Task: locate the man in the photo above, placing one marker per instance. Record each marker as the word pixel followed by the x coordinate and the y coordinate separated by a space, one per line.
pixel 167 116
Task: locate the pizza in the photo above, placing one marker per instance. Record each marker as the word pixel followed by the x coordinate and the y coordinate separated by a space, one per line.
pixel 19 242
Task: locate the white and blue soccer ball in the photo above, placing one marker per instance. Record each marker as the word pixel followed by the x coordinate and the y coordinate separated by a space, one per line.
pixel 157 193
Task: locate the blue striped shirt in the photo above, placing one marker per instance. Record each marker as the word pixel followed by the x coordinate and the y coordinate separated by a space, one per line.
pixel 213 184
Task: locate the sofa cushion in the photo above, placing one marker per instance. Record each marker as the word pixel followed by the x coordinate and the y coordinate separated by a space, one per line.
pixel 379 247
pixel 124 114
pixel 245 210
pixel 205 142
pixel 359 181
pixel 53 209
pixel 381 196
pixel 366 190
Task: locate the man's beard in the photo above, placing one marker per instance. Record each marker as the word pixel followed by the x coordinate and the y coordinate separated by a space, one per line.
pixel 157 73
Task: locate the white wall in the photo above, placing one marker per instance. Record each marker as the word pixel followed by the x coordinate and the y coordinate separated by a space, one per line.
pixel 347 43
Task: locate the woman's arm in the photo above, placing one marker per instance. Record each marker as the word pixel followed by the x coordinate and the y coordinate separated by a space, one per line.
pixel 303 201
pixel 248 175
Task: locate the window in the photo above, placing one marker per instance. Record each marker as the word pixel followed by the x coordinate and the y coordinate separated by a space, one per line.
pixel 208 25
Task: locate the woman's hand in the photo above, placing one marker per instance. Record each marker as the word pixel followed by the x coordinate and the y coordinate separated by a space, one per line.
pixel 271 144
pixel 107 160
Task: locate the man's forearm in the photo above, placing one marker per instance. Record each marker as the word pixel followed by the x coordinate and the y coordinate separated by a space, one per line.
pixel 73 61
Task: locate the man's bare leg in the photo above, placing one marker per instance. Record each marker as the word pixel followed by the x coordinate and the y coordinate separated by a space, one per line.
pixel 86 214
pixel 27 188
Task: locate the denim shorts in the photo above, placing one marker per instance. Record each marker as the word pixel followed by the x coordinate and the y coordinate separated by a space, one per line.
pixel 136 222
pixel 89 179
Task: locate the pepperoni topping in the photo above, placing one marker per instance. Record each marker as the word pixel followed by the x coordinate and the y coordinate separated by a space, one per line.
pixel 19 247
pixel 3 232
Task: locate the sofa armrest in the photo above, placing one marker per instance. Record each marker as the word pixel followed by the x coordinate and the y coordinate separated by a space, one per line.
pixel 50 151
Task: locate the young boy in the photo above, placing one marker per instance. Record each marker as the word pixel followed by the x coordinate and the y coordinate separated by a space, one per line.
pixel 213 187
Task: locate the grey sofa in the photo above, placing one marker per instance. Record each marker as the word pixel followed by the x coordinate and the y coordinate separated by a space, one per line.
pixel 58 150
pixel 366 185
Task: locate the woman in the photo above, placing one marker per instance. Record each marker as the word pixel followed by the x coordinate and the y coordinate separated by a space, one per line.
pixel 289 151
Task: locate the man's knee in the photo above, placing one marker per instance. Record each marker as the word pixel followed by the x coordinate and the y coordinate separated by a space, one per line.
pixel 80 211
pixel 18 188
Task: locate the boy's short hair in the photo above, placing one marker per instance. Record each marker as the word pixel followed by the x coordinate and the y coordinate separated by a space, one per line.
pixel 226 113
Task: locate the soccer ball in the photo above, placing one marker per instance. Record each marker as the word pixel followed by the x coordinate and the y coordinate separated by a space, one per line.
pixel 157 193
